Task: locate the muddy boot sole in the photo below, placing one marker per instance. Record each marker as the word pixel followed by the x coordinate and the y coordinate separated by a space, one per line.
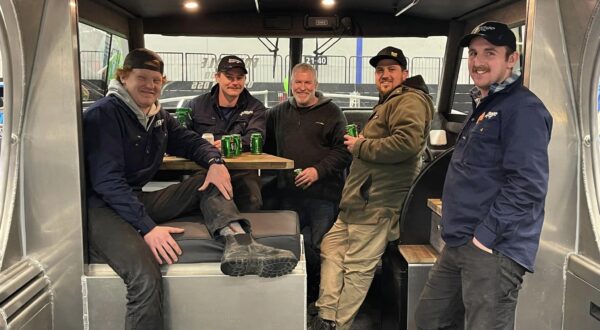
pixel 263 267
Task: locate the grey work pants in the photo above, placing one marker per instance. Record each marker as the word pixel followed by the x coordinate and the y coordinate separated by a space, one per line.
pixel 116 242
pixel 467 283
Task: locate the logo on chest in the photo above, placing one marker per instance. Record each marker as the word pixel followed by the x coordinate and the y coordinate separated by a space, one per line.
pixel 486 115
pixel 159 123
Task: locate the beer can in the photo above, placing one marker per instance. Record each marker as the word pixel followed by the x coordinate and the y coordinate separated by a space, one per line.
pixel 209 137
pixel 237 141
pixel 297 172
pixel 352 130
pixel 256 143
pixel 183 116
pixel 226 146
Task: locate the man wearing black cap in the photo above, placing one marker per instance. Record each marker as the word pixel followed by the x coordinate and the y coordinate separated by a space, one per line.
pixel 386 160
pixel 126 135
pixel 230 109
pixel 493 198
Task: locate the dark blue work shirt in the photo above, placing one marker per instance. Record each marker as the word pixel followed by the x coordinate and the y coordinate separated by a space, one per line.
pixel 497 180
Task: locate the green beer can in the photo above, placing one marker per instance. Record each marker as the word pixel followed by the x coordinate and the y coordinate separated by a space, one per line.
pixel 237 141
pixel 352 130
pixel 256 143
pixel 226 146
pixel 183 116
pixel 297 172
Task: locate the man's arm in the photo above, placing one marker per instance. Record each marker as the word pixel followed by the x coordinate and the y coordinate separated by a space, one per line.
pixel 525 137
pixel 407 126
pixel 106 169
pixel 186 143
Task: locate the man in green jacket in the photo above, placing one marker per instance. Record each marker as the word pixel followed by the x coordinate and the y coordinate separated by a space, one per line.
pixel 386 160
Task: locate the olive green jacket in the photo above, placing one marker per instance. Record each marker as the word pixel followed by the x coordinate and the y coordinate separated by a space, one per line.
pixel 387 160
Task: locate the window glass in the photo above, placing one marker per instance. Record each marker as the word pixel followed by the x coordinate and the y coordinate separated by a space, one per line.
pixel 101 54
pixel 191 62
pixel 462 100
pixel 343 65
pixel 346 75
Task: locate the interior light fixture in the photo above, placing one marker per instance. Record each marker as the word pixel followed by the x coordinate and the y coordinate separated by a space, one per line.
pixel 327 3
pixel 191 5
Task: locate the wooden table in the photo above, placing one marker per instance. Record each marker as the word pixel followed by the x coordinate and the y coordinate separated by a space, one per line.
pixel 246 161
pixel 435 205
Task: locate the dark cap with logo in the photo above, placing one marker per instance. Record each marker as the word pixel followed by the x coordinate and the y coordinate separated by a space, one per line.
pixel 391 53
pixel 231 62
pixel 496 33
pixel 142 58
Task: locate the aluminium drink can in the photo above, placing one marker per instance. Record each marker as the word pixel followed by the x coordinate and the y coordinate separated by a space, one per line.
pixel 352 130
pixel 226 146
pixel 256 143
pixel 237 141
pixel 183 116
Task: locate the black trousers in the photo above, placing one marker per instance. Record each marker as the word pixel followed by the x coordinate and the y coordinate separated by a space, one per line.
pixel 246 190
pixel 467 283
pixel 116 242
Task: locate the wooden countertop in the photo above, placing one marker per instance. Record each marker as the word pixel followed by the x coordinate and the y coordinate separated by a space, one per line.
pixel 435 205
pixel 418 254
pixel 246 161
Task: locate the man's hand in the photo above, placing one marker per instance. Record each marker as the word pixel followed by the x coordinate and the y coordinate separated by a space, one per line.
pixel 219 176
pixel 307 177
pixel 481 246
pixel 217 144
pixel 349 141
pixel 162 244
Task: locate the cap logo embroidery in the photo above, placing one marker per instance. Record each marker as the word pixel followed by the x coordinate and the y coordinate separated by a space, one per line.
pixel 486 28
pixel 394 54
pixel 233 60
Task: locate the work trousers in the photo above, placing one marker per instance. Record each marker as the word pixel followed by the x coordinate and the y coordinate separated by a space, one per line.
pixel 246 190
pixel 114 241
pixel 472 285
pixel 349 253
pixel 316 218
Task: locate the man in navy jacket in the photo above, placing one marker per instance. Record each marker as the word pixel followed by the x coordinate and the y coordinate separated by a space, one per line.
pixel 126 135
pixel 493 198
pixel 230 109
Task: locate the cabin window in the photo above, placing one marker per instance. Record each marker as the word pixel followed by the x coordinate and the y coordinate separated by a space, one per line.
pixel 346 75
pixel 342 65
pixel 101 54
pixel 462 100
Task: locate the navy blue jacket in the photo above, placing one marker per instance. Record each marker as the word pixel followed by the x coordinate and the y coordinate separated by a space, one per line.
pixel 247 118
pixel 122 156
pixel 498 177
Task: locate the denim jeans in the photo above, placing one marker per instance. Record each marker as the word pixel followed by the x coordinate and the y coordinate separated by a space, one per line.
pixel 316 218
pixel 116 242
pixel 469 284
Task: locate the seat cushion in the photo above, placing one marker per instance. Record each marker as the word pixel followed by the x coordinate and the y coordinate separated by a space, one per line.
pixel 278 229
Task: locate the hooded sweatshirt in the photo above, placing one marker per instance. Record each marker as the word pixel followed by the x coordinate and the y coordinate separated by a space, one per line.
pixel 312 137
pixel 124 149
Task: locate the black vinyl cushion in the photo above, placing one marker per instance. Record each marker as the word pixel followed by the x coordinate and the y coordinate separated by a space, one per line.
pixel 278 229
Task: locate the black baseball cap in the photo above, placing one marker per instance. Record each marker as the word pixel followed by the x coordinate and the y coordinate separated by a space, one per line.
pixel 496 33
pixel 391 53
pixel 142 58
pixel 231 62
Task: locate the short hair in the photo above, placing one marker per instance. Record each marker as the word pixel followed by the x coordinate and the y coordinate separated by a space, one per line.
pixel 305 67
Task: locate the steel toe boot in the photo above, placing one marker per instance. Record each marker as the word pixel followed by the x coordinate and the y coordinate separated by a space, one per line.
pixel 244 256
pixel 317 323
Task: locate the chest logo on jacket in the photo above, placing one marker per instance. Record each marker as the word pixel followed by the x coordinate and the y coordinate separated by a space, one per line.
pixel 246 113
pixel 486 115
pixel 159 122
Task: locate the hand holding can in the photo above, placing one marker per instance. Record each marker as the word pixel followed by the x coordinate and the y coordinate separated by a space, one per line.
pixel 352 130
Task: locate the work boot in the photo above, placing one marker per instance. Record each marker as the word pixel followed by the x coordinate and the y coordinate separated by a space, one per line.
pixel 318 323
pixel 244 256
